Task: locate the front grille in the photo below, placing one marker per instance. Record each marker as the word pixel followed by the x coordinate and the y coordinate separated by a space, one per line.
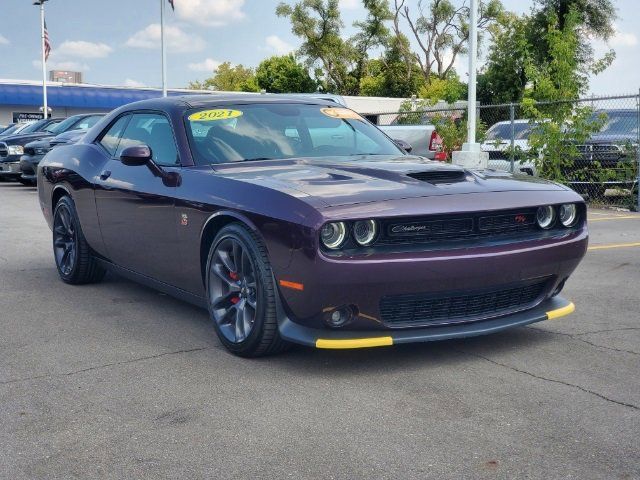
pixel 4 151
pixel 599 152
pixel 440 176
pixel 463 307
pixel 497 155
pixel 456 227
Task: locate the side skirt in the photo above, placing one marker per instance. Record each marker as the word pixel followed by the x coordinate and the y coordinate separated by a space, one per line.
pixel 155 284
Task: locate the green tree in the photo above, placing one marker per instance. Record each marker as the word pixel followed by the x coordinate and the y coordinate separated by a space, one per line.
pixel 449 89
pixel 589 20
pixel 560 126
pixel 441 31
pixel 504 78
pixel 282 74
pixel 229 78
pixel 341 62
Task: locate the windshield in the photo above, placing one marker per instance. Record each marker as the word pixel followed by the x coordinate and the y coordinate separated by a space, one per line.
pixel 12 129
pixel 277 130
pixel 502 131
pixel 33 127
pixel 63 126
pixel 619 123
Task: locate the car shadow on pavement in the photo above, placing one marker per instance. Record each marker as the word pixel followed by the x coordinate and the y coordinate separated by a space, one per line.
pixel 299 360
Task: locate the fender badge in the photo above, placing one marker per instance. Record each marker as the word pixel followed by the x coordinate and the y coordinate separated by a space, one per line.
pixel 184 219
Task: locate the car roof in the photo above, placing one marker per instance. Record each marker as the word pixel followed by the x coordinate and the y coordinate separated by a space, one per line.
pixel 200 101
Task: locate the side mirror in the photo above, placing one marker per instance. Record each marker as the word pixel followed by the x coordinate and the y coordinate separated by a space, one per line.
pixel 406 146
pixel 136 155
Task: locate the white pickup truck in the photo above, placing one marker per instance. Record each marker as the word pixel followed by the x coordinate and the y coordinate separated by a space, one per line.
pixel 423 139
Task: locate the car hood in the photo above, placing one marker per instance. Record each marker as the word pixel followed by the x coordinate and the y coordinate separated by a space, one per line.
pixel 336 181
pixel 25 138
pixel 618 139
pixel 41 143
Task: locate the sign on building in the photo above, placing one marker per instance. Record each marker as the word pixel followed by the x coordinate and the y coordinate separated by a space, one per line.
pixel 23 117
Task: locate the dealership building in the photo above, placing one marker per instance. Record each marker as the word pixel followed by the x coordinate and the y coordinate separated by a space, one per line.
pixel 21 100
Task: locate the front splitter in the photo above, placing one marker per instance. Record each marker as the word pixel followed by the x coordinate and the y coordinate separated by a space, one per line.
pixel 336 339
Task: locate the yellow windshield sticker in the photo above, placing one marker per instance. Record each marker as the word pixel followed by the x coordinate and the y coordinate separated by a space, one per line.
pixel 212 115
pixel 343 113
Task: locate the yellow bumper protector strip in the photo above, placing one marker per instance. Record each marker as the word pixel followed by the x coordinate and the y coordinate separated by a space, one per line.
pixel 355 342
pixel 561 312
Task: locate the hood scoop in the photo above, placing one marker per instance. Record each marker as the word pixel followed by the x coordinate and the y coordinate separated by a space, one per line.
pixel 440 176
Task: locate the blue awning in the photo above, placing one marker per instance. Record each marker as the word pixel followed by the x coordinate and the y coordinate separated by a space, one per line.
pixel 75 97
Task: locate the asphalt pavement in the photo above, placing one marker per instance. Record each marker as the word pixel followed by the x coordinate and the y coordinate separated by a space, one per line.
pixel 116 380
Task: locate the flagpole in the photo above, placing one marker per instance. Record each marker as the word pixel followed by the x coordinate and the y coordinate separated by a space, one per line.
pixel 45 110
pixel 164 50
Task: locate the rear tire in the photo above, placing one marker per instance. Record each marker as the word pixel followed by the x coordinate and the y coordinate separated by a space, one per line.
pixel 241 294
pixel 74 259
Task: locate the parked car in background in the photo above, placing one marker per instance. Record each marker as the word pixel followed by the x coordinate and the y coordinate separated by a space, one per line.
pixel 68 131
pixel 608 158
pixel 498 144
pixel 14 129
pixel 423 139
pixel 12 146
pixel 5 127
pixel 297 221
pixel 35 151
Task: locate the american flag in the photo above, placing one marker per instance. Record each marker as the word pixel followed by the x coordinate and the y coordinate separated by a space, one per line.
pixel 47 43
pixel 172 6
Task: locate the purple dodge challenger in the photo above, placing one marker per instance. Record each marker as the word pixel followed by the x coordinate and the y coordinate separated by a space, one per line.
pixel 294 220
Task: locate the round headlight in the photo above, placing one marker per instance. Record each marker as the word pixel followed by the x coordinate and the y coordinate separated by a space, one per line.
pixel 568 214
pixel 546 216
pixel 364 231
pixel 333 234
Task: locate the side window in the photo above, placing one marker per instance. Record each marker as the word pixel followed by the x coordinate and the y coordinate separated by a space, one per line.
pixel 154 130
pixel 87 122
pixel 111 138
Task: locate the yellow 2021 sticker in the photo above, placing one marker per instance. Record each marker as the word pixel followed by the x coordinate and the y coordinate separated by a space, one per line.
pixel 213 115
pixel 342 113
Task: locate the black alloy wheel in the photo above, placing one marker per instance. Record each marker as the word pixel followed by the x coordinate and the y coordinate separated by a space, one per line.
pixel 241 293
pixel 233 290
pixel 65 239
pixel 74 258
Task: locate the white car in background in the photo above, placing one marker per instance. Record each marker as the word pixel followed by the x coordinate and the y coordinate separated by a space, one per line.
pixel 498 143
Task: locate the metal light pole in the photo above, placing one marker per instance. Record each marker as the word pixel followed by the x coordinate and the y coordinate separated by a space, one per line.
pixel 473 54
pixel 164 50
pixel 45 109
pixel 471 156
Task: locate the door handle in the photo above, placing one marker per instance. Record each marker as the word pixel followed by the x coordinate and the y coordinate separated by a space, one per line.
pixel 105 174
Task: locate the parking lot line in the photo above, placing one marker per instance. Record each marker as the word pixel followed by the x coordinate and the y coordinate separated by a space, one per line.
pixel 619 217
pixel 614 245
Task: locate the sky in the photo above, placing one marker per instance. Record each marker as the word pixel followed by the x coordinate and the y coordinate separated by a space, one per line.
pixel 116 42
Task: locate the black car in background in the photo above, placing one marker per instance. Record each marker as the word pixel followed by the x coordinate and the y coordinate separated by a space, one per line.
pixel 608 158
pixel 68 131
pixel 12 146
pixel 14 129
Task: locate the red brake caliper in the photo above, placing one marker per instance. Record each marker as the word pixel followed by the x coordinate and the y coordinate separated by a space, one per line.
pixel 234 276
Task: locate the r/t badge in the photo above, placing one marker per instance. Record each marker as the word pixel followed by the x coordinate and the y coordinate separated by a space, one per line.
pixel 184 219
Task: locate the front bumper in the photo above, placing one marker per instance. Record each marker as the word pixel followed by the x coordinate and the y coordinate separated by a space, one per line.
pixel 29 166
pixel 552 308
pixel 10 169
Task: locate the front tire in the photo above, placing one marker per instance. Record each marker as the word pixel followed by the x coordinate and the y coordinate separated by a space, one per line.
pixel 241 294
pixel 74 260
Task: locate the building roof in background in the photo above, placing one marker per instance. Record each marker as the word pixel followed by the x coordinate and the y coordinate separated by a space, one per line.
pixel 15 92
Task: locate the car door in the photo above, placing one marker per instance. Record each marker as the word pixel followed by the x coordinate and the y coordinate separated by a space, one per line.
pixel 135 206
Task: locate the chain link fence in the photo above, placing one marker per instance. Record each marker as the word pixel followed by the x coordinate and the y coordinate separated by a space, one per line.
pixel 593 149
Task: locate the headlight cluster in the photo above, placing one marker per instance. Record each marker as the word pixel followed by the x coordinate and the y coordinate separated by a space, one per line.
pixel 15 149
pixel 567 214
pixel 334 234
pixel 41 151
